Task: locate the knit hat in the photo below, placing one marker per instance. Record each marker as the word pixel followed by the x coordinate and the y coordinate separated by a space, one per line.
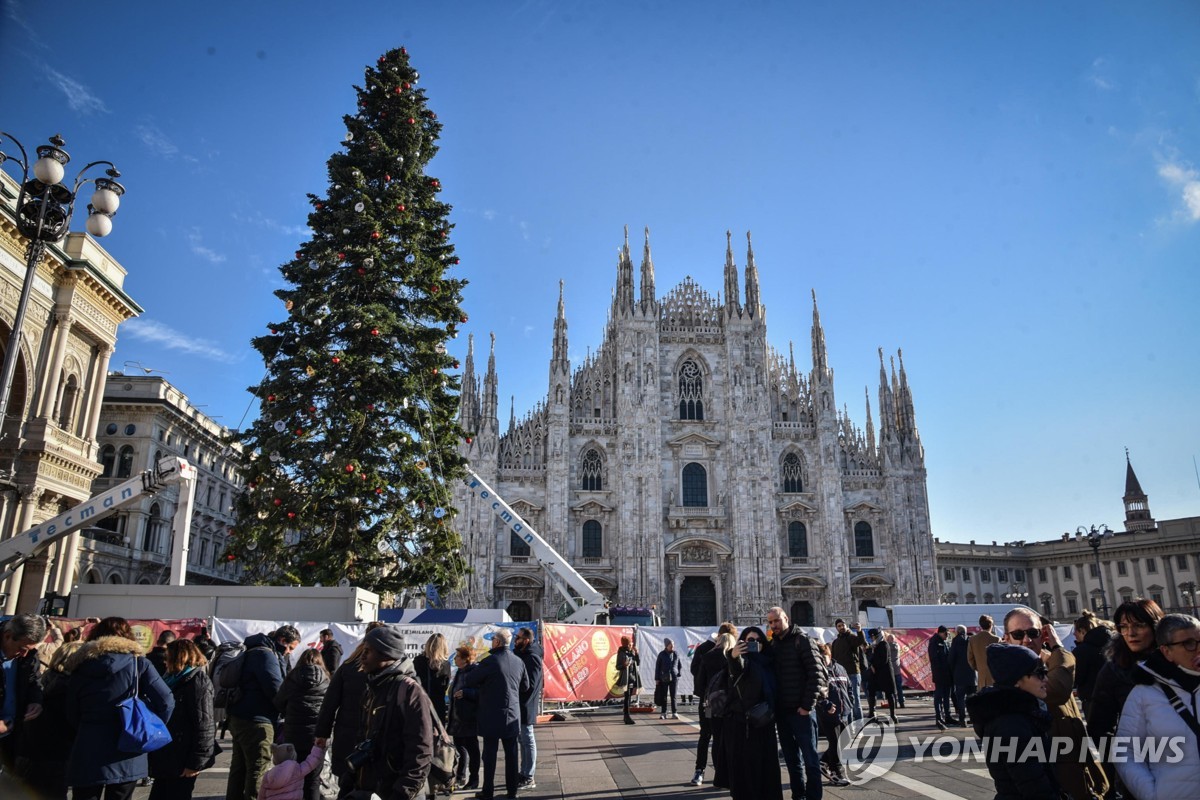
pixel 387 641
pixel 282 752
pixel 942 629
pixel 1011 662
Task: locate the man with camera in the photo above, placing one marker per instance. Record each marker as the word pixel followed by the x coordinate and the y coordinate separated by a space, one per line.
pixel 393 759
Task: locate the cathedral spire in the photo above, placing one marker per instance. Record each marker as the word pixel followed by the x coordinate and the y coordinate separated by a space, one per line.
pixel 905 398
pixel 623 298
pixel 468 403
pixel 752 301
pixel 870 424
pixel 819 355
pixel 490 403
pixel 1137 504
pixel 732 293
pixel 559 363
pixel 512 413
pixel 887 409
pixel 647 276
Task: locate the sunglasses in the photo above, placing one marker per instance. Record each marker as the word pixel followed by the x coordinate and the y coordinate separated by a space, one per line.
pixel 1021 635
pixel 1040 672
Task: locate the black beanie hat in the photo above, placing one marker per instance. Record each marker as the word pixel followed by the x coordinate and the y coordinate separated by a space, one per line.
pixel 387 641
pixel 1011 662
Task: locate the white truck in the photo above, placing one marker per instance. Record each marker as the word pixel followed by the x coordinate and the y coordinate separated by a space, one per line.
pixel 591 607
pixel 171 470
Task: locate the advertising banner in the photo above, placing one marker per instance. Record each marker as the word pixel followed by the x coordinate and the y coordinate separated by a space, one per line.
pixel 581 662
pixel 686 640
pixel 146 631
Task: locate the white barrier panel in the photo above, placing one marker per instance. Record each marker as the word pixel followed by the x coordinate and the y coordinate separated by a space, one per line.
pixel 476 636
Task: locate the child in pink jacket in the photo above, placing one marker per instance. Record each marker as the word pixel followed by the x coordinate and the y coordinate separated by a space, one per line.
pixel 285 780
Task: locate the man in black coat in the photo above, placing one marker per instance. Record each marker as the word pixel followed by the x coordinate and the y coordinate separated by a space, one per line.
pixel 158 654
pixel 943 678
pixel 253 717
pixel 800 679
pixel 846 647
pixel 531 655
pixel 500 680
pixel 399 720
pixel 19 638
pixel 331 651
pixel 961 672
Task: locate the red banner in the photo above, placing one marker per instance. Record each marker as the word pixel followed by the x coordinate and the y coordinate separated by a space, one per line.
pixel 913 646
pixel 581 662
pixel 146 631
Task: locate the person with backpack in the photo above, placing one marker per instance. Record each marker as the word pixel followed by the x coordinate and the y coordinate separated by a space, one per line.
pixel 704 666
pixel 256 675
pixel 747 736
pixel 667 670
pixel 223 655
pixel 394 758
pixel 299 700
pixel 800 679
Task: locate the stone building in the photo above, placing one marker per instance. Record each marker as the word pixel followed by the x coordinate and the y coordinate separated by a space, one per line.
pixel 144 419
pixel 1060 577
pixel 48 448
pixel 688 465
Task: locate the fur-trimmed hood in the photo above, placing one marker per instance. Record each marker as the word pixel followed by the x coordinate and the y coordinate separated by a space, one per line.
pixel 102 647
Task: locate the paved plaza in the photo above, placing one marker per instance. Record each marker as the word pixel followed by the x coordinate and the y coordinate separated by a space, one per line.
pixel 592 754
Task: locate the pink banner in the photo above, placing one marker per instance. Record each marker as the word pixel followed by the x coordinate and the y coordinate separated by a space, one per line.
pixel 146 631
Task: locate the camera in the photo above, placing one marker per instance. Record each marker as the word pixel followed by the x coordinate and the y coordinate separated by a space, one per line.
pixel 752 646
pixel 361 754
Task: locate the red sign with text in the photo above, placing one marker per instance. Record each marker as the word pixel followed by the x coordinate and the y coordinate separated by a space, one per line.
pixel 581 662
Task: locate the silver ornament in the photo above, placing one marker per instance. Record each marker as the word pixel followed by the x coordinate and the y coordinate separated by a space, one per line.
pixel 359 206
pixel 279 426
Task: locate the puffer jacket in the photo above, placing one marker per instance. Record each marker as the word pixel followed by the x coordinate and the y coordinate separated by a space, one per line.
pixel 103 673
pixel 1148 713
pixel 263 669
pixel 299 700
pixel 1112 686
pixel 1089 659
pixel 1014 718
pixel 799 671
pixel 192 727
pixel 342 713
pixel 286 781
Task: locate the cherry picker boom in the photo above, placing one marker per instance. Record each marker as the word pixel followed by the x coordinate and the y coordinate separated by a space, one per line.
pixel 589 606
pixel 171 470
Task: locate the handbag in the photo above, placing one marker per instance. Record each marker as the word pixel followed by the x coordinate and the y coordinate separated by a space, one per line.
pixel 760 715
pixel 141 729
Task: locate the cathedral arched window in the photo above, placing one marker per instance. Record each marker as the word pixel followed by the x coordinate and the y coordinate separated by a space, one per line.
pixel 695 485
pixel 864 540
pixel 691 392
pixel 125 462
pixel 793 479
pixel 592 471
pixel 517 546
pixel 108 460
pixel 593 539
pixel 797 540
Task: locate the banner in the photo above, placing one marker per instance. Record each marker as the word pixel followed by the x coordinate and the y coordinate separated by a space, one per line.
pixel 913 645
pixel 581 662
pixel 146 631
pixel 686 640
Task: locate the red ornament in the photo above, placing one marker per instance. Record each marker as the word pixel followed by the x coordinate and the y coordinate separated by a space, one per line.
pixel 382 59
pixel 469 440
pixel 362 271
pixel 374 331
pixel 371 407
pixel 455 260
pixel 399 90
pixel 277 501
pixel 435 370
pixel 379 491
pixel 310 563
pixel 375 234
pixel 312 409
pixel 403 52
pixel 270 398
pixel 432 115
pixel 299 431
pixel 291 515
pixel 435 288
pixel 445 234
pixel 387 178
pixel 336 360
pixel 298 254
pixel 341 256
pixel 464 317
pixel 407 85
pixel 349 468
pixel 230 557
pixel 319 207
pixel 456 365
pixel 400 207
pixel 434 182
pixel 412 121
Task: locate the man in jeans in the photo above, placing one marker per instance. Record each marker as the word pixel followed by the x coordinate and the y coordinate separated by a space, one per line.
pixel 530 653
pixel 845 652
pixel 252 718
pixel 799 681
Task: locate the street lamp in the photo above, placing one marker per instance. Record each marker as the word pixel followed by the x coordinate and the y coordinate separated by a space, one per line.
pixel 44 209
pixel 1095 536
pixel 1017 594
pixel 1189 594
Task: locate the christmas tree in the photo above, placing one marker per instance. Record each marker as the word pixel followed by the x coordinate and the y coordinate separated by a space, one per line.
pixel 348 465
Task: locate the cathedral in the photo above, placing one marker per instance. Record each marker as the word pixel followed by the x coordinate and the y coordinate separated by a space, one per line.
pixel 688 466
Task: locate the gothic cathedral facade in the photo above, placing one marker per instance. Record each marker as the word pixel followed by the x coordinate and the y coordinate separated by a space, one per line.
pixel 688 466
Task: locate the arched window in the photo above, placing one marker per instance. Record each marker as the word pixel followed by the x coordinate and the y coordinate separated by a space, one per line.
pixel 520 611
pixel 66 407
pixel 691 392
pixel 517 546
pixel 151 541
pixel 864 541
pixel 797 540
pixel 593 539
pixel 108 460
pixel 592 470
pixel 695 485
pixel 802 613
pixel 792 479
pixel 125 462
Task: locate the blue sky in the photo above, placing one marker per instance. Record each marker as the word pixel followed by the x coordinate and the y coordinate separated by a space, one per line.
pixel 1009 192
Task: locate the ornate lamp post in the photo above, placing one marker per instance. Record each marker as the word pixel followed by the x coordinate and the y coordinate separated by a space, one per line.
pixel 1017 594
pixel 1095 536
pixel 44 209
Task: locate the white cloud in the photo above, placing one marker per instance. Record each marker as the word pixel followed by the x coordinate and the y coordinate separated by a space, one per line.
pixel 199 248
pixel 1099 77
pixel 489 214
pixel 257 219
pixel 156 141
pixel 1187 180
pixel 147 330
pixel 79 97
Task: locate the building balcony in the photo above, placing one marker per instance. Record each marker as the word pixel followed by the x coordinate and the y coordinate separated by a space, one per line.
pixel 696 516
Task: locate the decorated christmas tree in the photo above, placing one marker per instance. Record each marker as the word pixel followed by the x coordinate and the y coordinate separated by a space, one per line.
pixel 349 463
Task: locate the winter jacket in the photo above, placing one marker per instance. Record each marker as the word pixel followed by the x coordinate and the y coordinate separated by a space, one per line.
pixel 799 671
pixel 434 682
pixel 463 710
pixel 628 662
pixel 206 645
pixel 341 712
pixel 845 649
pixel 400 723
pixel 939 661
pixel 331 654
pixel 1148 713
pixel 158 657
pixel 1113 685
pixel 1089 660
pixel 286 781
pixel 103 673
pixel 750 680
pixel 263 669
pixel 49 736
pixel 193 730
pixel 500 679
pixel 533 659
pixel 1077 773
pixel 709 664
pixel 667 668
pixel 883 671
pixel 960 666
pixel 29 692
pixel 299 700
pixel 1008 716
pixel 839 693
pixel 977 647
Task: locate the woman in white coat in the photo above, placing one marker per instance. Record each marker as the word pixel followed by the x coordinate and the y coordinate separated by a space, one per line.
pixel 1165 703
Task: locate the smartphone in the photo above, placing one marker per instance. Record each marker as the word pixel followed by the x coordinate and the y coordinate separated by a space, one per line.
pixel 752 646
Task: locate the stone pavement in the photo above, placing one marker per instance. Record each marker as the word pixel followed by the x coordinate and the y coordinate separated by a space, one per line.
pixel 594 755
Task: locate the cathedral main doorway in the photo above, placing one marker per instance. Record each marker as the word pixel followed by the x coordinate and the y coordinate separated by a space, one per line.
pixel 697 602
